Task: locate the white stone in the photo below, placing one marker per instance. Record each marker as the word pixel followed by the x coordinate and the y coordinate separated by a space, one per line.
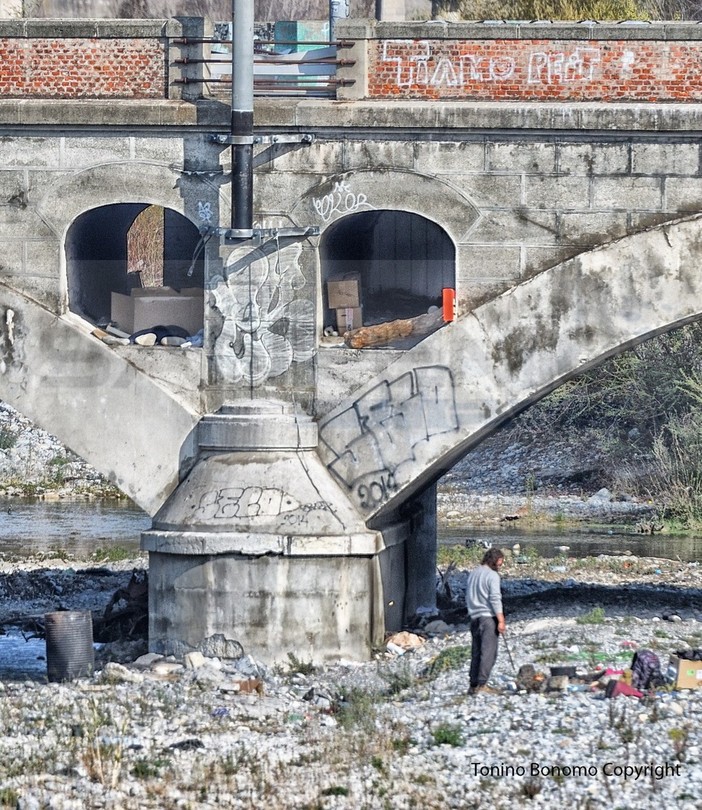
pixel 113 671
pixel 194 660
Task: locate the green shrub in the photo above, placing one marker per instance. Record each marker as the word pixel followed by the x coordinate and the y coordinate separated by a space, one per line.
pixel 7 439
pixel 296 666
pixel 448 734
pixel 357 708
pixel 450 658
pixel 9 797
pixel 595 616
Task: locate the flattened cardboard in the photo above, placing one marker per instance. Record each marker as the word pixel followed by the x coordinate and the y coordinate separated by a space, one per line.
pixel 344 293
pixel 684 674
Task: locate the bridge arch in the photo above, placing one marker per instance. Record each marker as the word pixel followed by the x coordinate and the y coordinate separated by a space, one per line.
pixel 113 248
pixel 387 189
pixel 44 358
pixel 401 260
pixel 106 184
pixel 336 203
pixel 410 424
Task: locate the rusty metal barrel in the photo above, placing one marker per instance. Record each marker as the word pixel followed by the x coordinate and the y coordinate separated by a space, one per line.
pixel 69 645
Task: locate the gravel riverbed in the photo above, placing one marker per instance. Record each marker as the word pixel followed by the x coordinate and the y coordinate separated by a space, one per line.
pixel 397 732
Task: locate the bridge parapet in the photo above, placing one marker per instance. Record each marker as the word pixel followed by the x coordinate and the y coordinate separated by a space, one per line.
pixel 99 59
pixel 540 61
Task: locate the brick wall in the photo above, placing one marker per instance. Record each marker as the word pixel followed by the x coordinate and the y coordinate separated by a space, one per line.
pixel 73 68
pixel 536 70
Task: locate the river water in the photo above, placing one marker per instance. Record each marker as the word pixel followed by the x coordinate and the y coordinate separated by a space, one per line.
pixel 76 529
pixel 73 528
pixel 581 542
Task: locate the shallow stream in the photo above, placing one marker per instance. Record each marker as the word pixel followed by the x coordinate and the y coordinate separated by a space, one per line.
pixel 580 542
pixel 78 528
pixel 69 528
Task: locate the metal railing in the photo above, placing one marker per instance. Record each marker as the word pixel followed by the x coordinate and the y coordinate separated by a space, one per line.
pixel 309 72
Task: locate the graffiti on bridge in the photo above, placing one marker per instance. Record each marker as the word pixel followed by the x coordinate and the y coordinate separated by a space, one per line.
pixel 425 67
pixel 342 199
pixel 535 69
pixel 267 323
pixel 244 503
pixel 256 505
pixel 377 443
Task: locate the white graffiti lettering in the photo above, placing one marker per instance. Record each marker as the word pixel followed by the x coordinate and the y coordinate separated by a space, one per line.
pixel 547 68
pixel 249 503
pixel 204 211
pixel 388 45
pixel 501 68
pixel 341 200
pixel 267 324
pixel 417 65
pixel 628 60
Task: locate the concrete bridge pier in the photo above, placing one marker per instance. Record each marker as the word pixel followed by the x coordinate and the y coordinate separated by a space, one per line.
pixel 258 545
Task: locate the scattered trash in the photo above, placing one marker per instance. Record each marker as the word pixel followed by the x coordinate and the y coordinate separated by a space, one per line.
pixel 158 335
pixel 569 672
pixel 685 669
pixel 127 612
pixel 616 688
pixel 404 641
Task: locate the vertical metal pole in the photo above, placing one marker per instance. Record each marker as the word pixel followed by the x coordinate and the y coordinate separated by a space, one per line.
pixel 242 117
pixel 338 10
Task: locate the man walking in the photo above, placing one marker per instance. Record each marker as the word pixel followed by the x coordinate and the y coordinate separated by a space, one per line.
pixel 487 619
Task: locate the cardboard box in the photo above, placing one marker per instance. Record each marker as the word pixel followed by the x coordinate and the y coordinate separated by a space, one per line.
pixel 344 293
pixel 348 318
pixel 154 306
pixel 684 674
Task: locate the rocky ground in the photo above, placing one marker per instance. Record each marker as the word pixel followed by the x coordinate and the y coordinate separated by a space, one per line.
pixel 568 478
pixel 34 463
pixel 399 731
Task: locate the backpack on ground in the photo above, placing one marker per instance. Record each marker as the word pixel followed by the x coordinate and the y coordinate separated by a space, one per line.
pixel 645 670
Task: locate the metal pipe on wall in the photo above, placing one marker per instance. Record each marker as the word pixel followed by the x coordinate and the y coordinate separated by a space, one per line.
pixel 242 117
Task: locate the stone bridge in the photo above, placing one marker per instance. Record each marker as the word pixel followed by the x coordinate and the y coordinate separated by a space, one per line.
pixel 549 174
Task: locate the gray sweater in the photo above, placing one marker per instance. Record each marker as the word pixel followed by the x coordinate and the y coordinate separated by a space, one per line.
pixel 483 594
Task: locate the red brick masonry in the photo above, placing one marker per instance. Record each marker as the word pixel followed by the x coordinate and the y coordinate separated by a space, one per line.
pixel 537 70
pixel 82 68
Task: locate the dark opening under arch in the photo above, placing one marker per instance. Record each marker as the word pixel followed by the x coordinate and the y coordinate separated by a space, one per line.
pixel 98 260
pixel 402 261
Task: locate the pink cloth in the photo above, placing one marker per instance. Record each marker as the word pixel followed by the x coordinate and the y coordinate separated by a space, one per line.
pixel 621 688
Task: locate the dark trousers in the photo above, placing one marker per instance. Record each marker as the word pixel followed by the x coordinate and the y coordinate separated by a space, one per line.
pixel 484 650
